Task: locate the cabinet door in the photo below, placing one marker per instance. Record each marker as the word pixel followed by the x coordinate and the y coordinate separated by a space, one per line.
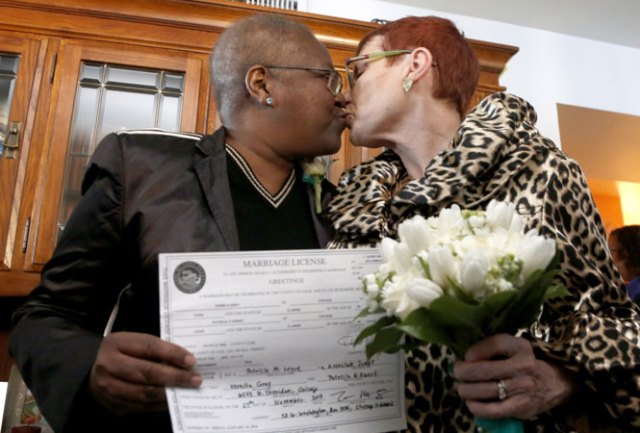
pixel 18 92
pixel 100 89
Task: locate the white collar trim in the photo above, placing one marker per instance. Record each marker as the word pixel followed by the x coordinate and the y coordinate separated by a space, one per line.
pixel 276 200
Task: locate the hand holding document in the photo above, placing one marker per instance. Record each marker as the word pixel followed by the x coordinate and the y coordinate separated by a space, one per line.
pixel 273 335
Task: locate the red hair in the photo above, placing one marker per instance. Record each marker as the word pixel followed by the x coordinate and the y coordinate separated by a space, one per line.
pixel 457 71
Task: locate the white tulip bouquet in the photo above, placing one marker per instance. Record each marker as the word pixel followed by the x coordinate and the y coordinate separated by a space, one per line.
pixel 458 278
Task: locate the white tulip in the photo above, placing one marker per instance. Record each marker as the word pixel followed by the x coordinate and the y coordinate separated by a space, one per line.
pixel 424 255
pixel 387 249
pixel 535 252
pixel 498 241
pixel 500 214
pixel 395 300
pixel 448 222
pixel 384 270
pixel 403 257
pixel 517 225
pixel 406 307
pixel 472 243
pixel 511 243
pixel 477 223
pixel 450 216
pixel 415 233
pixel 423 291
pixel 442 265
pixel 396 254
pixel 474 271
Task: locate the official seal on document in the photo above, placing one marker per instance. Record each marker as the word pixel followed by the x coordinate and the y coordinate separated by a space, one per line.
pixel 189 277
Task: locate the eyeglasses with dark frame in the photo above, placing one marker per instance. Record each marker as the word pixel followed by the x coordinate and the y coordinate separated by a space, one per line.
pixel 334 83
pixel 351 78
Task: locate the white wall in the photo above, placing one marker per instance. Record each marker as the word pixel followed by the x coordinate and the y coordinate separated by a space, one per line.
pixel 550 67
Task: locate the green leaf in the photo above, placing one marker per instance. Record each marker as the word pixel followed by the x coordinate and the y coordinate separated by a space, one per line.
pixel 386 340
pixel 419 324
pixel 497 302
pixel 448 321
pixel 498 306
pixel 525 307
pixel 365 312
pixel 410 343
pixel 381 323
pixel 453 312
pixel 382 282
pixel 425 268
pixel 461 294
pixel 556 291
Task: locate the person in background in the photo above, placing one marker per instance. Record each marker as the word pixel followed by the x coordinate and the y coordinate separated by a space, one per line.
pixel 150 192
pixel 624 243
pixel 410 87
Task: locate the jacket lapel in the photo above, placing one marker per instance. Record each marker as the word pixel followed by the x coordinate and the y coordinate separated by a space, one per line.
pixel 211 170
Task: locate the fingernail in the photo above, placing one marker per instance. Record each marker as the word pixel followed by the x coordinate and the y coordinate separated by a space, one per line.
pixel 196 380
pixel 189 360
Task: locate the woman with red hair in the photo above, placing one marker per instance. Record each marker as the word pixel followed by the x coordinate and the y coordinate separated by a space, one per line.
pixel 411 86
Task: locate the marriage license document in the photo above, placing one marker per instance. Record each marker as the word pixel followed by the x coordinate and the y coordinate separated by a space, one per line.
pixel 273 333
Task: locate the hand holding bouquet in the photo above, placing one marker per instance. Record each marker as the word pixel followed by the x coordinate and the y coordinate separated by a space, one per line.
pixel 458 278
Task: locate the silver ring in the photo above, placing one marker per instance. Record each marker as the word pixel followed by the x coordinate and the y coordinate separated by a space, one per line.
pixel 502 390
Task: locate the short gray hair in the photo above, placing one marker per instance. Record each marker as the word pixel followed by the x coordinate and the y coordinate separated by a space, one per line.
pixel 260 39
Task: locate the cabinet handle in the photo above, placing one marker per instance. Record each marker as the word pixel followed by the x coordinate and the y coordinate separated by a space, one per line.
pixel 25 235
pixel 12 144
pixel 54 64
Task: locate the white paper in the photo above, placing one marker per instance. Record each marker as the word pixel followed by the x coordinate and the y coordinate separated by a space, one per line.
pixel 273 335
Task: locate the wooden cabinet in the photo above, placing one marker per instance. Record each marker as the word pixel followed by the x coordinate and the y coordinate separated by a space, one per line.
pixel 99 88
pixel 19 88
pixel 82 69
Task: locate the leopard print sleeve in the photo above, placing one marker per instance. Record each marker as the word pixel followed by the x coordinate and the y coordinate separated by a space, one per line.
pixel 596 330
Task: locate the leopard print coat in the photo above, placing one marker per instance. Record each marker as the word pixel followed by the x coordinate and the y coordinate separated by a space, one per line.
pixel 595 332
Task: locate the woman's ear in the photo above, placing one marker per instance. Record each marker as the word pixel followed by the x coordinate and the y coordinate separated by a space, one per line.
pixel 256 82
pixel 421 62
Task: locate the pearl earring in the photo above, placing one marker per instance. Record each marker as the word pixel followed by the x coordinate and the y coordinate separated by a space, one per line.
pixel 269 101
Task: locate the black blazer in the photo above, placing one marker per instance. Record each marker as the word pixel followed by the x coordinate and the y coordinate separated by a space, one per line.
pixel 144 193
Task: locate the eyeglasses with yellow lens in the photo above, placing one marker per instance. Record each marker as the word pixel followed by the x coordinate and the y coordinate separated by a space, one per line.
pixel 351 77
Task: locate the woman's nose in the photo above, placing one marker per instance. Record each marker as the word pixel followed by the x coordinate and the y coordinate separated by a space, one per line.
pixel 347 96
